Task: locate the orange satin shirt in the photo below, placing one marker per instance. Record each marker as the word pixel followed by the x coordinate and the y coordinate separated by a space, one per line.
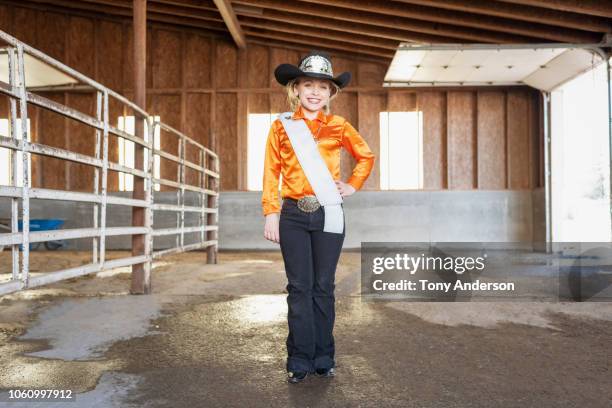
pixel 331 133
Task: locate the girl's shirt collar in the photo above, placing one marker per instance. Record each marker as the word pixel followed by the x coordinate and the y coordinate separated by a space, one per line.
pixel 299 114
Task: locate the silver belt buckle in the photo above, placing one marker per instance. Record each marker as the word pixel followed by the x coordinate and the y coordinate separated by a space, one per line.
pixel 308 203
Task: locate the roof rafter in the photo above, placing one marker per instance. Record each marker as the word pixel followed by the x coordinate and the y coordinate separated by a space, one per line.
pixel 229 17
pixel 464 19
pixel 592 7
pixel 520 12
pixel 346 26
pixel 322 33
pixel 460 34
pixel 317 41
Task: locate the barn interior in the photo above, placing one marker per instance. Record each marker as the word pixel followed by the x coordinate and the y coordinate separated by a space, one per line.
pixel 462 102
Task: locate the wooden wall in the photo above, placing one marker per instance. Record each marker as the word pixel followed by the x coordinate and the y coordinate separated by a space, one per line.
pixel 201 84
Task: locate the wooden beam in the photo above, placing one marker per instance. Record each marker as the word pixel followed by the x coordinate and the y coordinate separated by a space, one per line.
pixel 195 4
pixel 314 31
pixel 184 4
pixel 173 10
pixel 354 54
pixel 591 7
pixel 78 5
pixel 119 7
pixel 347 27
pixel 357 16
pixel 459 18
pixel 314 41
pixel 195 20
pixel 113 3
pixel 225 8
pixel 141 275
pixel 520 12
pixel 187 21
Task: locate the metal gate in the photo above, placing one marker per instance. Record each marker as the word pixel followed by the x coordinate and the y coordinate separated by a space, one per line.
pixel 207 190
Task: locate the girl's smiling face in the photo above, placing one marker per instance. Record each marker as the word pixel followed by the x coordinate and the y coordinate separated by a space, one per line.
pixel 314 93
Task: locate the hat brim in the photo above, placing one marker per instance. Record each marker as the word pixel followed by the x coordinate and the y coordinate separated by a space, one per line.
pixel 286 72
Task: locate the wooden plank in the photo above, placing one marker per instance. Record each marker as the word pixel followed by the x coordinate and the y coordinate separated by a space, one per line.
pixel 278 102
pixel 166 54
pixel 225 132
pixel 309 41
pixel 370 106
pixel 369 74
pixel 416 30
pixel 491 140
pixel 128 57
pixel 197 127
pixel 518 139
pixel 22 25
pixel 259 103
pixel 334 33
pixel 345 105
pixel 52 133
pixel 51 34
pixel 515 13
pixel 168 107
pixel 6 19
pixel 81 139
pixel 198 110
pixel 109 47
pixel 80 52
pixel 198 62
pixel 258 69
pixel 401 101
pixel 226 64
pixel 433 106
pixel 592 7
pixel 461 109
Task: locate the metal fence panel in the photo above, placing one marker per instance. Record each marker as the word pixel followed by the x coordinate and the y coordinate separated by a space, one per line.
pixel 207 189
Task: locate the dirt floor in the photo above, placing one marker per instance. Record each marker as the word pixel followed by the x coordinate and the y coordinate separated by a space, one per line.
pixel 214 336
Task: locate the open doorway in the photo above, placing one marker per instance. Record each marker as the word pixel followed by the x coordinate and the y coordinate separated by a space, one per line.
pixel 580 182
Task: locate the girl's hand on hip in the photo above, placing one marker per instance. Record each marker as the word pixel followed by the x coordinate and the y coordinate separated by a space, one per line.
pixel 344 189
pixel 271 228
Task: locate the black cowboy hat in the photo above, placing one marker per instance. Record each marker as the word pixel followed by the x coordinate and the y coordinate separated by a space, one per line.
pixel 317 64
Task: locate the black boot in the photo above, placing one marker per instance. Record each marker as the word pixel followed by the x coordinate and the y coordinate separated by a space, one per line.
pixel 295 377
pixel 325 372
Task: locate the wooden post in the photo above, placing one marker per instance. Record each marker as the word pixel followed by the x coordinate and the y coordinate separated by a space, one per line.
pixel 141 278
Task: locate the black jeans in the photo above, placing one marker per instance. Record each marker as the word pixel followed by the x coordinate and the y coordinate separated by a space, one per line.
pixel 311 256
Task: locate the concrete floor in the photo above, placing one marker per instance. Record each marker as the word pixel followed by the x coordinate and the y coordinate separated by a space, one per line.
pixel 213 335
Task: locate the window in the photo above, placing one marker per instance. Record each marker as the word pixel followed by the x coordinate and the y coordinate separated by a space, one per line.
pixel 126 153
pixel 5 155
pixel 401 150
pixel 258 129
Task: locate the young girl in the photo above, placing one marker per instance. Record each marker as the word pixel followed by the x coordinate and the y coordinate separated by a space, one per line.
pixel 310 251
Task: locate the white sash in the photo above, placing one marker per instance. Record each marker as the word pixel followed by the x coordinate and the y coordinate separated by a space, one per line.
pixel 316 171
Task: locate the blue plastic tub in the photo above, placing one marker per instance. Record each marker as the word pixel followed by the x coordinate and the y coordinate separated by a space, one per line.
pixel 43 225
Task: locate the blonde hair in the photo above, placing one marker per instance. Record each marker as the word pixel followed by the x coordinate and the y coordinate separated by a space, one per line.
pixel 294 100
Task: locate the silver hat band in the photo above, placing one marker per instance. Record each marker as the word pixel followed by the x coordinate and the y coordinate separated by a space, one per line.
pixel 316 64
